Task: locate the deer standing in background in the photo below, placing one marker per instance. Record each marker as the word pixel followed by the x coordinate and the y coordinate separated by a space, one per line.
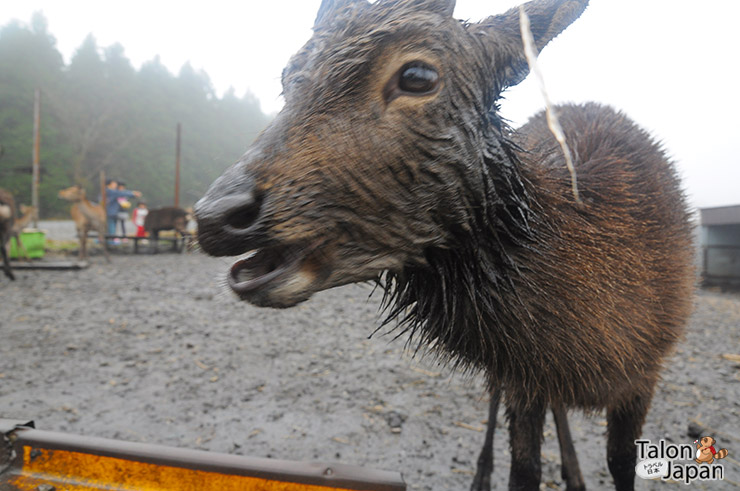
pixel 28 213
pixel 167 218
pixel 7 218
pixel 87 216
pixel 389 161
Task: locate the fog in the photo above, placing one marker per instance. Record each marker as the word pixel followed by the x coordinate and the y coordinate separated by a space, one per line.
pixel 669 65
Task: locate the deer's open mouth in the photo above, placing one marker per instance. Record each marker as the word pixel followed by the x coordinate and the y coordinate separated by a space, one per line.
pixel 257 277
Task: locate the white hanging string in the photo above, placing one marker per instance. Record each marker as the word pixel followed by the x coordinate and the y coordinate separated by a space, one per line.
pixel 530 52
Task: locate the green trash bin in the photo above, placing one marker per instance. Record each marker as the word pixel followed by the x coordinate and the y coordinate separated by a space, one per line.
pixel 33 240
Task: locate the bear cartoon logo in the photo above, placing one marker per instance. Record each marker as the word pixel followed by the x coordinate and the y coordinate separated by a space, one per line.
pixel 705 451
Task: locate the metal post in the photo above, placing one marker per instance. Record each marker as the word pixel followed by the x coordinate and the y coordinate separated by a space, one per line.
pixel 177 167
pixel 36 157
pixel 103 197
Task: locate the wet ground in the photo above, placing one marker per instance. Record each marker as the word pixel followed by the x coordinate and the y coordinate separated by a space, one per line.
pixel 152 349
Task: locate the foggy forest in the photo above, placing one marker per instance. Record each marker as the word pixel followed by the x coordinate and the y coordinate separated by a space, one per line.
pixel 99 113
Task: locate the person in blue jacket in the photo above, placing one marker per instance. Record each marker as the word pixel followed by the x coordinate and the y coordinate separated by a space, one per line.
pixel 112 194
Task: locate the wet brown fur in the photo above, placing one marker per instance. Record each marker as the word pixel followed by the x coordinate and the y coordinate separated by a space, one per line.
pixel 599 293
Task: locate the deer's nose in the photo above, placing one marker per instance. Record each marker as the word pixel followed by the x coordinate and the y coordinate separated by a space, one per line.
pixel 236 214
pixel 228 215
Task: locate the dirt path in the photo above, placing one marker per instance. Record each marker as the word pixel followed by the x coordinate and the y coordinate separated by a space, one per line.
pixel 150 348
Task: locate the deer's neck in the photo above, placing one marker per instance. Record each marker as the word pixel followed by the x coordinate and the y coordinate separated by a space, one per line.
pixel 24 220
pixel 459 299
pixel 88 209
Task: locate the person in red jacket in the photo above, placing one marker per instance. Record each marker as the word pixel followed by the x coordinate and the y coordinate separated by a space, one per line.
pixel 139 216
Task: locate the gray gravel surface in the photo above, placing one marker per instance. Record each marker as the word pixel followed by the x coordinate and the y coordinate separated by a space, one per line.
pixel 152 349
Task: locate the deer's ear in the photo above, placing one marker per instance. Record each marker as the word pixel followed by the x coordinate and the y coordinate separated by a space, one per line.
pixel 502 40
pixel 330 9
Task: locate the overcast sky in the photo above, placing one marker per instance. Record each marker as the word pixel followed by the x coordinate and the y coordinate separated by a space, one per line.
pixel 672 65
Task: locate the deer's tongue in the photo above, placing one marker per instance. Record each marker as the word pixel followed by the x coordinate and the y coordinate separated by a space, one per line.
pixel 262 267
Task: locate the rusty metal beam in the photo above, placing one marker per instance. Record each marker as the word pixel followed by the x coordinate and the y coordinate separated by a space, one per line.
pixel 30 458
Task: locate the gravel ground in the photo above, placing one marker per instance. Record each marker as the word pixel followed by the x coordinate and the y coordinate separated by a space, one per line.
pixel 152 349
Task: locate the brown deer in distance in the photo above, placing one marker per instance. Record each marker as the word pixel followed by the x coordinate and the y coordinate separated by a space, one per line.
pixel 390 162
pixel 7 219
pixel 87 216
pixel 28 213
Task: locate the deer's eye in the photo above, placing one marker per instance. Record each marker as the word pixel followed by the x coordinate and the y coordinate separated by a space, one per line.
pixel 418 77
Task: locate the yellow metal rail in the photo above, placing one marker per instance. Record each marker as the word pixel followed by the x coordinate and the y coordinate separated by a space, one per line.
pixel 35 460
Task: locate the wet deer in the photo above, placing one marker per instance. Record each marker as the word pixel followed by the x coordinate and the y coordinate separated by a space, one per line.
pixel 390 162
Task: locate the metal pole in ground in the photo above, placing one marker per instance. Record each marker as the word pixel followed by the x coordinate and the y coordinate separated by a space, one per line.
pixel 177 166
pixel 36 157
